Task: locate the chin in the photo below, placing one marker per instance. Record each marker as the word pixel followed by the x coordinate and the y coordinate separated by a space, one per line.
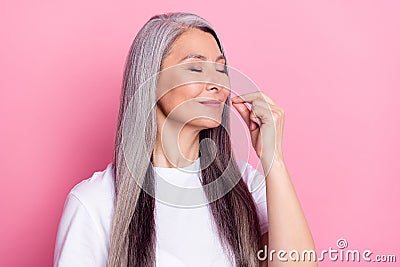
pixel 205 123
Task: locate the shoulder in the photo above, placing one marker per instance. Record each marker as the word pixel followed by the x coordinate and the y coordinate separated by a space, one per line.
pixel 96 196
pixel 256 184
pixel 254 179
pixel 98 187
pixel 82 237
pixel 100 180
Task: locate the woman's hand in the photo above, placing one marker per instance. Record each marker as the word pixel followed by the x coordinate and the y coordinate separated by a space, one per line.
pixel 288 228
pixel 265 121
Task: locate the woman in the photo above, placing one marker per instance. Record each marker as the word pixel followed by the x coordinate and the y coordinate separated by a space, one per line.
pixel 169 124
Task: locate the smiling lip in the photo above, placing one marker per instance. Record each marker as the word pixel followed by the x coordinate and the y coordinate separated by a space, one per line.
pixel 211 103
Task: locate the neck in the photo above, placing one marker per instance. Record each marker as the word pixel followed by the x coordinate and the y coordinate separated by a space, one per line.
pixel 176 146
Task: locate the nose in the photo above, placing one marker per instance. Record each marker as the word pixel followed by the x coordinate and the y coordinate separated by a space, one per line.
pixel 212 86
pixel 216 89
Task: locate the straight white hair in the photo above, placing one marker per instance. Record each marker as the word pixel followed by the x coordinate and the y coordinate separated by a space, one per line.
pixel 133 236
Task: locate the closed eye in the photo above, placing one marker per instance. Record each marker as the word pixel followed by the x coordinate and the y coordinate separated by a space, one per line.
pixel 224 70
pixel 196 70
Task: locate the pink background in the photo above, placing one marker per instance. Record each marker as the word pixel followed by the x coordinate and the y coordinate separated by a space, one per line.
pixel 332 65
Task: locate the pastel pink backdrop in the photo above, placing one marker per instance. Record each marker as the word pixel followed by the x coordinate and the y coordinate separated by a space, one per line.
pixel 332 65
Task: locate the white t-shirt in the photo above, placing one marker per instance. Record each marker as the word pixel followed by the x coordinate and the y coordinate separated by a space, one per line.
pixel 184 235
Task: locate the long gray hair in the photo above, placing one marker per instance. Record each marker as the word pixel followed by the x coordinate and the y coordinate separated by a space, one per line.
pixel 133 235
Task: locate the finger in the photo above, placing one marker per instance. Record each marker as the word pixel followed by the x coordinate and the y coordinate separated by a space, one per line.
pixel 256 120
pixel 245 113
pixel 250 97
pixel 258 109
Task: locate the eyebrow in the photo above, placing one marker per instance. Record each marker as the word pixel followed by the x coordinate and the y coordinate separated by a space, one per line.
pixel 201 57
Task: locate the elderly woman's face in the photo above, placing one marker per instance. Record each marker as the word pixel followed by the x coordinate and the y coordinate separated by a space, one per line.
pixel 191 74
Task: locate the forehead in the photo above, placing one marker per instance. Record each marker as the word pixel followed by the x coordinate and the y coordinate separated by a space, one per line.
pixel 194 41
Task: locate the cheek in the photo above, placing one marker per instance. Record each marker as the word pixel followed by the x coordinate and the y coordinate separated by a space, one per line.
pixel 179 98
